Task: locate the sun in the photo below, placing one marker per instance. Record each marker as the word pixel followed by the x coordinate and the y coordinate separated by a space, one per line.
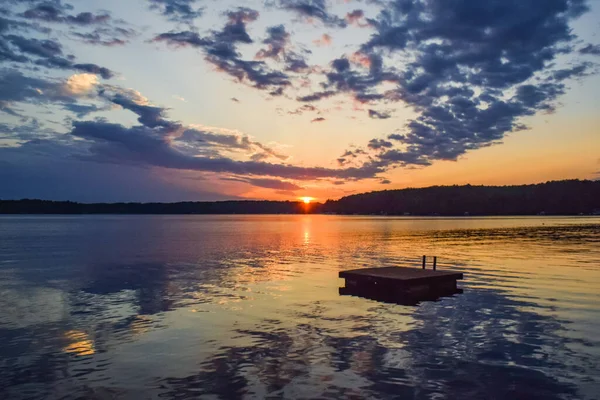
pixel 306 200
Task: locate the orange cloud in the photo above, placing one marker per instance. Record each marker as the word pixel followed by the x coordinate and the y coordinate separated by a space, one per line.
pixel 323 41
pixel 356 18
pixel 361 59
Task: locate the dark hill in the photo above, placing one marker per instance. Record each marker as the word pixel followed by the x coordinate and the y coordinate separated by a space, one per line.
pixel 569 197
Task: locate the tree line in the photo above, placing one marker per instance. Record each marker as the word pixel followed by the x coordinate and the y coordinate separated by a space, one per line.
pixel 570 197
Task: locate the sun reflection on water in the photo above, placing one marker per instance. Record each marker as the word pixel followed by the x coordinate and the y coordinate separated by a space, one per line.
pixel 81 344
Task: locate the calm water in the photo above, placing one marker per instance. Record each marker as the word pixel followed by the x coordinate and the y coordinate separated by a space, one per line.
pixel 230 307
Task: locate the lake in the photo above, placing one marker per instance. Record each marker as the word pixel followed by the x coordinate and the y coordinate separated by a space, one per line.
pixel 232 307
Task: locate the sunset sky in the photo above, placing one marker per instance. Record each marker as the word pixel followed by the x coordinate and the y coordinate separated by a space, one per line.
pixel 169 100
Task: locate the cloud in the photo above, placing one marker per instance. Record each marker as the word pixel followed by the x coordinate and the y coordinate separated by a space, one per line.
pixel 156 142
pixel 26 131
pixel 277 40
pixel 303 109
pixel 220 49
pixel 148 115
pixel 591 49
pixel 106 36
pixel 377 144
pixel 324 40
pixel 83 110
pixel 267 183
pixel 379 114
pixel 40 48
pixel 357 18
pixel 313 10
pixel 318 119
pixel 316 96
pixel 80 84
pixel 15 87
pixel 235 100
pixel 46 52
pixel 94 69
pixel 57 178
pixel 473 70
pixel 17 45
pixel 385 181
pixel 278 43
pixel 56 13
pixel 183 11
pixel 344 78
pixel 396 136
pixel 143 146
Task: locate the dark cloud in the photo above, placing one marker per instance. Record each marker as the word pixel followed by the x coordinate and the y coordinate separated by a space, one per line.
pixel 313 10
pixel 235 100
pixel 139 145
pixel 83 110
pixel 357 18
pixel 103 36
pixel 573 72
pixel 159 142
pixel 26 131
pixel 318 119
pixel 316 96
pixel 378 144
pixel 344 78
pixel 591 49
pixel 385 181
pixel 379 114
pixel 456 46
pixel 183 11
pixel 94 69
pixel 15 87
pixel 396 136
pixel 57 178
pixel 47 53
pixel 96 39
pixel 358 153
pixel 303 109
pixel 42 48
pixel 278 41
pixel 184 38
pixel 267 183
pixel 402 158
pixel 221 51
pixel 57 13
pixel 149 116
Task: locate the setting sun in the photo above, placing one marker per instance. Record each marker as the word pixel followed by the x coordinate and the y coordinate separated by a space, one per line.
pixel 306 200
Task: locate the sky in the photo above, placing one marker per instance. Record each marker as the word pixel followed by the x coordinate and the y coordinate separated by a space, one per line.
pixel 178 100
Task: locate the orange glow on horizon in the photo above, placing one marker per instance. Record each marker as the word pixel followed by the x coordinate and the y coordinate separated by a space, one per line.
pixel 306 200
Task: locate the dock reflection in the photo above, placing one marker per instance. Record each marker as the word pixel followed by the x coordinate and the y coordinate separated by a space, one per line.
pixel 396 298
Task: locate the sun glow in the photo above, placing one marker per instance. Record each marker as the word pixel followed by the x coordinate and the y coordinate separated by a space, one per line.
pixel 306 200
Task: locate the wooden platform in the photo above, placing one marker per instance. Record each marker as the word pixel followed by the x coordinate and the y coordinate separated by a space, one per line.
pixel 400 284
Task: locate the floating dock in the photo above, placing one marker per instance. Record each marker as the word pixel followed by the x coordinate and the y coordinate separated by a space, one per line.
pixel 400 284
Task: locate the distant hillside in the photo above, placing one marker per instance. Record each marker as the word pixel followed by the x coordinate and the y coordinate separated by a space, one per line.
pixel 553 198
pixel 570 197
